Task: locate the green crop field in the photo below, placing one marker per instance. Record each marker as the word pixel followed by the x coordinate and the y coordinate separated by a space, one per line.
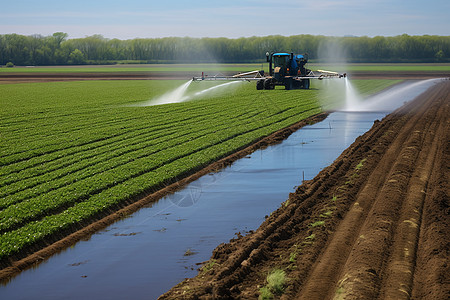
pixel 72 150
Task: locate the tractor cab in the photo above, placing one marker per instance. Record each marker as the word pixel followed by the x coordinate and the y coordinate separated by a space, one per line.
pixel 285 69
pixel 281 65
pixel 285 64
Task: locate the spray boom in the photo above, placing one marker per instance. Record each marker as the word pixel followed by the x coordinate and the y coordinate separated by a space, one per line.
pixel 284 69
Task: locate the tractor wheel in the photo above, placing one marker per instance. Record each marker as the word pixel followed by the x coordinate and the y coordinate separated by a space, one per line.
pixel 260 84
pixel 268 84
pixel 306 84
pixel 288 84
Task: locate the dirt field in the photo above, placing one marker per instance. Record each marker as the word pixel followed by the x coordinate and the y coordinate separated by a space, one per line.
pixel 374 224
pixel 7 78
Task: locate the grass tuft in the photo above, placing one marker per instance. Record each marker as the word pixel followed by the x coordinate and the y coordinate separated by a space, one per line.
pixel 208 266
pixel 310 237
pixel 276 281
pixel 293 257
pixel 317 223
pixel 326 214
pixel 360 165
pixel 265 293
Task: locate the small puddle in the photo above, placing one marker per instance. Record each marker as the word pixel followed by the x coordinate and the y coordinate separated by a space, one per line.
pixel 145 254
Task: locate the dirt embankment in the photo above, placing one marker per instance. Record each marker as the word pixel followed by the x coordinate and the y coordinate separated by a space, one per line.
pixel 373 225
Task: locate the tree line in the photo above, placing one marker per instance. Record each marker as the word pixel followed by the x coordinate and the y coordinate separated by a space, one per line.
pixel 57 49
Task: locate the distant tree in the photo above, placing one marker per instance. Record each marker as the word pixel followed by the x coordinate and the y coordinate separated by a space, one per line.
pixel 439 55
pixel 9 64
pixel 59 37
pixel 77 57
pixel 61 56
pixel 43 56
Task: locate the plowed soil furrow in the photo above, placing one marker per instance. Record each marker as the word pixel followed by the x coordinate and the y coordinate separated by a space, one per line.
pixel 398 280
pixel 365 269
pixel 336 254
pixel 431 274
pixel 372 225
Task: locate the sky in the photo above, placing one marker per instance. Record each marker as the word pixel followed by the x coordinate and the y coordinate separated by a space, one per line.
pixel 224 18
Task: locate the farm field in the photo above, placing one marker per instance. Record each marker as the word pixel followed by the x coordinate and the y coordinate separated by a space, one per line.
pixel 372 225
pixel 73 152
pixel 183 71
pixel 212 150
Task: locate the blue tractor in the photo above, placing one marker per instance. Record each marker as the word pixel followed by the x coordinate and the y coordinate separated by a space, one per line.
pixel 286 69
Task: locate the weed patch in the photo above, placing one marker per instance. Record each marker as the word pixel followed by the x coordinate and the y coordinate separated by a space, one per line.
pixel 276 282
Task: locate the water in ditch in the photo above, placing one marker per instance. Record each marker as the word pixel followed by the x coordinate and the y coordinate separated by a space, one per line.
pixel 144 255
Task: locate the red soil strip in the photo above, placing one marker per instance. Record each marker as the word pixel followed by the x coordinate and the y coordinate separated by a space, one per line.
pixel 373 225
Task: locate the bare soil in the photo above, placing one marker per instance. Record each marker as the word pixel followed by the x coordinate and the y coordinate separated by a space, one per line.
pixel 50 77
pixel 373 225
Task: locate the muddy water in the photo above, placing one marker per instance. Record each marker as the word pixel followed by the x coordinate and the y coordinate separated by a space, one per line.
pixel 145 254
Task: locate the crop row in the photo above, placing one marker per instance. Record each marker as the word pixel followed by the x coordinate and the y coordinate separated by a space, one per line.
pixel 79 119
pixel 72 138
pixel 57 160
pixel 75 190
pixel 101 162
pixel 114 134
